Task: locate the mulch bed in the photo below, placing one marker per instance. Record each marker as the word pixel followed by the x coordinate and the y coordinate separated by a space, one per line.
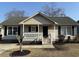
pixel 19 53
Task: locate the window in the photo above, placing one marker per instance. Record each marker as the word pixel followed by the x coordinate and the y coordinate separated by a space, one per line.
pixel 69 29
pixel 33 28
pixel 9 30
pixel 63 30
pixel 26 28
pixel 30 29
pixel 13 30
pixel 66 30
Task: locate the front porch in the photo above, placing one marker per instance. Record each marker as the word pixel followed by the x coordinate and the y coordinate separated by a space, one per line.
pixel 37 33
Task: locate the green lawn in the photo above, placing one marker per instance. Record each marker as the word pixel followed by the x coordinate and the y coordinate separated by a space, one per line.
pixel 67 50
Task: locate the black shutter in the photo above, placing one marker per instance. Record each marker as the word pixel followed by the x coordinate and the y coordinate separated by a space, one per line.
pixel 78 30
pixel 72 30
pixel 29 28
pixel 59 30
pixel 36 29
pixel 18 30
pixel 5 30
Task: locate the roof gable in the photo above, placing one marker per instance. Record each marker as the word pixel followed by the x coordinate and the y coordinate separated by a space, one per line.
pixel 38 19
pixel 36 15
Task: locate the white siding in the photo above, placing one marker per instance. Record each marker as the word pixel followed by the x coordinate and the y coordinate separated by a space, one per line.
pixel 2 31
pixel 51 31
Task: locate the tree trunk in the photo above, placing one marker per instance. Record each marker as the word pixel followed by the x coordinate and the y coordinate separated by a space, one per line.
pixel 20 47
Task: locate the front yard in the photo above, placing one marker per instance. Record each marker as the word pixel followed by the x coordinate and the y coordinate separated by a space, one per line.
pixel 67 50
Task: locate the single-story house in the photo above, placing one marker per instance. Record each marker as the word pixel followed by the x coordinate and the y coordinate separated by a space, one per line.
pixel 39 27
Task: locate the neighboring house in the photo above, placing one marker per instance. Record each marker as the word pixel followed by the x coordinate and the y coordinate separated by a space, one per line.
pixel 39 27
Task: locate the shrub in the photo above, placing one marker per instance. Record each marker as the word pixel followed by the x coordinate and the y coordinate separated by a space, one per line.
pixel 61 38
pixel 76 39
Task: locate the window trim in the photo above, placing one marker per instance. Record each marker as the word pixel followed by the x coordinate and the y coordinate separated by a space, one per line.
pixel 27 27
pixel 62 29
pixel 12 30
pixel 70 30
pixel 16 29
pixel 8 30
pixel 32 28
pixel 66 27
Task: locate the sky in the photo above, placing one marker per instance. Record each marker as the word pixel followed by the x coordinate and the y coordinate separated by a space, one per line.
pixel 71 9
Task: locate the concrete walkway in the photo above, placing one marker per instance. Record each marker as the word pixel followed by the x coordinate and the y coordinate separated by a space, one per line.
pixel 38 46
pixel 4 47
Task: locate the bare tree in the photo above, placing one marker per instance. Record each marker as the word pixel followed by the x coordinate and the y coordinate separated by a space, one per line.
pixel 15 13
pixel 52 11
pixel 19 38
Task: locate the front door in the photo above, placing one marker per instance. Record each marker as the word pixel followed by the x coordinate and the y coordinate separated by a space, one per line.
pixel 45 31
pixel 45 35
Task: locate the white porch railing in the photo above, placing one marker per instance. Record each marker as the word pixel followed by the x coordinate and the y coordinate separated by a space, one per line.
pixel 32 36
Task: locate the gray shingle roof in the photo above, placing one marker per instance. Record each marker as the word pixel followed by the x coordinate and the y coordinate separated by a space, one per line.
pixel 58 20
pixel 63 20
pixel 13 21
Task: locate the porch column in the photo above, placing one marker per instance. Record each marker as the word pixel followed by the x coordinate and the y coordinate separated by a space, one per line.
pixel 75 31
pixel 38 31
pixel 23 29
pixel 54 32
pixel 66 30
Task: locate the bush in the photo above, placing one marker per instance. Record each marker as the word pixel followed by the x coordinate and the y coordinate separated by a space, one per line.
pixel 61 38
pixel 76 39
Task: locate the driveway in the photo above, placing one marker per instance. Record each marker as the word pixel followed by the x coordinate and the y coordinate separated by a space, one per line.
pixel 4 47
